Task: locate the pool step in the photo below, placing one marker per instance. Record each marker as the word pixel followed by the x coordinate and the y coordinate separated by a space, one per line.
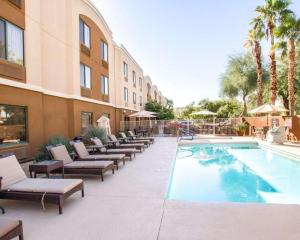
pixel 275 197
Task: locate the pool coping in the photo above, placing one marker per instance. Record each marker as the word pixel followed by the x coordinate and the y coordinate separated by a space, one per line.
pixel 263 144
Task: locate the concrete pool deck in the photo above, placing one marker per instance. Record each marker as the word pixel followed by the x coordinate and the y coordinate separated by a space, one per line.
pixel 131 205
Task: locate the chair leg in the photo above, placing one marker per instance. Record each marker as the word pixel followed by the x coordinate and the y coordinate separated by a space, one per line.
pixel 82 192
pixel 60 206
pixel 2 210
pixel 113 170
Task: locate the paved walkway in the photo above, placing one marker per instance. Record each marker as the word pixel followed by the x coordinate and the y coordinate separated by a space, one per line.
pixel 131 205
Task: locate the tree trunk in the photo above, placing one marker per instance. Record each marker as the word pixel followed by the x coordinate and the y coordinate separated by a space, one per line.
pixel 245 110
pixel 291 76
pixel 273 83
pixel 257 55
pixel 285 102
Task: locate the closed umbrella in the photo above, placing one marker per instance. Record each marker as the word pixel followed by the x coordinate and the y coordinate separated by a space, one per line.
pixel 104 122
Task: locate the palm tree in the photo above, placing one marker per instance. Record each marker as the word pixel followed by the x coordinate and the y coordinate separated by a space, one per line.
pixel 253 41
pixel 289 33
pixel 268 16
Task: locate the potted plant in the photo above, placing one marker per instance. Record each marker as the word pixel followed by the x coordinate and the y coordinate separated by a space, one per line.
pixel 241 129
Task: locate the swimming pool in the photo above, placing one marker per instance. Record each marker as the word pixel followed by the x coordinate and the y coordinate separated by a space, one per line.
pixel 234 172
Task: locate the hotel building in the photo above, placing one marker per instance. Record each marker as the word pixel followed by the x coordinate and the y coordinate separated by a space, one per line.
pixel 60 71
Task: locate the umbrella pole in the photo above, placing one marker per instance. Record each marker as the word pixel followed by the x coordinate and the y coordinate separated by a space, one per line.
pixel 214 123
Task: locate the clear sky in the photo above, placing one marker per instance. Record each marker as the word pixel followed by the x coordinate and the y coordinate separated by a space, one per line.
pixel 182 45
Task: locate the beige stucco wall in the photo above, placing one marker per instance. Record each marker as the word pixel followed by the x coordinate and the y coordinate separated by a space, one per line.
pixel 52 54
pixel 122 55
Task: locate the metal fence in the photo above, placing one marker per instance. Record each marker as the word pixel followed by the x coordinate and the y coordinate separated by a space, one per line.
pixel 217 126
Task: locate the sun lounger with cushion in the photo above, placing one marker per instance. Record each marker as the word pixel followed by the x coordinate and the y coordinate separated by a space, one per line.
pixel 60 152
pixel 99 147
pixel 83 155
pixel 125 139
pixel 116 142
pixel 136 137
pixel 10 229
pixel 15 185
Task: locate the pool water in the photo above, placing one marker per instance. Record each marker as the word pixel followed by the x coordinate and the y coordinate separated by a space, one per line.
pixel 234 173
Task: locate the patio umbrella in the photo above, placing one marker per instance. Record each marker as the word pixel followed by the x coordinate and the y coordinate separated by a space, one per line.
pixel 143 114
pixel 268 109
pixel 206 113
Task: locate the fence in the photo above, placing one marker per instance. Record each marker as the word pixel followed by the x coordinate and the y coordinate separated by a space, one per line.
pixel 217 126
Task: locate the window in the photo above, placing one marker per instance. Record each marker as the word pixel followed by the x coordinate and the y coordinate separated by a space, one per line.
pixel 84 34
pixel 134 78
pixel 86 120
pixel 104 85
pixel 141 83
pixel 141 101
pixel 125 69
pixel 125 94
pixel 155 95
pixel 106 115
pixel 13 124
pixel 85 76
pixel 104 51
pixel 134 98
pixel 11 42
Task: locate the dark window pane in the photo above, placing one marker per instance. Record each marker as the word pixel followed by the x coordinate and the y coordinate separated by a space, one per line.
pixel 86 120
pixel 2 39
pixel 12 124
pixel 81 31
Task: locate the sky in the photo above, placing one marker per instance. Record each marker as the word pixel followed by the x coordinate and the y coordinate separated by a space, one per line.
pixel 182 45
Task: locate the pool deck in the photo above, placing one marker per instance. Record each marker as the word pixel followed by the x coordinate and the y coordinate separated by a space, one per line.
pixel 131 205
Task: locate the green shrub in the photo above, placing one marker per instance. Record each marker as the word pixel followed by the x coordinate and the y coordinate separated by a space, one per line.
pixel 42 151
pixel 96 132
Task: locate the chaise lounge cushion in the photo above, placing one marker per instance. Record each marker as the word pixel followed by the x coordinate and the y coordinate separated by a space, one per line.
pixel 98 143
pixel 40 185
pixel 61 153
pixel 123 150
pixel 105 157
pixel 89 164
pixel 81 149
pixel 7 226
pixel 10 171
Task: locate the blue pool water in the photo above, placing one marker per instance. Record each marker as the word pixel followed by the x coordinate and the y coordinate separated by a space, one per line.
pixel 234 173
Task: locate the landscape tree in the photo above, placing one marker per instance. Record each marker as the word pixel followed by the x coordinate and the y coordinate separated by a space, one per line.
pixel 163 112
pixel 268 16
pixel 289 34
pixel 240 78
pixel 253 41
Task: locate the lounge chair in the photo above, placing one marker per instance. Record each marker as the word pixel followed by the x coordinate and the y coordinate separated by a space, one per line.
pixel 59 152
pixel 84 155
pixel 125 139
pixel 15 185
pixel 276 135
pixel 10 229
pixel 132 136
pixel 116 142
pixel 100 147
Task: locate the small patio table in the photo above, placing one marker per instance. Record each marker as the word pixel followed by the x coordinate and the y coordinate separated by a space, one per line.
pixel 46 167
